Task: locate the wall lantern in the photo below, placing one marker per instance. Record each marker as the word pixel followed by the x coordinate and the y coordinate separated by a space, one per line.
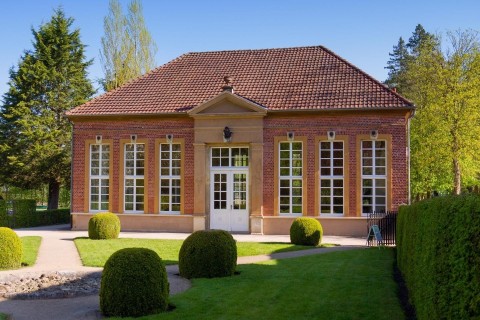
pixel 227 134
pixel 169 138
pixel 290 136
pixel 331 135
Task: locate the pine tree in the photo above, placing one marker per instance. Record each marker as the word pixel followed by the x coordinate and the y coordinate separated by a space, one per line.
pixel 397 64
pixel 419 37
pixel 403 53
pixel 128 49
pixel 49 80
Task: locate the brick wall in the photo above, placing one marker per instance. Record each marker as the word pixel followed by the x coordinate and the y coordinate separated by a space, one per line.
pixel 149 129
pixel 311 126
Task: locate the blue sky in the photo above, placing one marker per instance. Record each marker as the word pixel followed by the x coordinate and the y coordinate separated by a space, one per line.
pixel 362 32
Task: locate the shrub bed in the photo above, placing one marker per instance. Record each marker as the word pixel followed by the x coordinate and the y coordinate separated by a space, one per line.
pixel 10 249
pixel 306 231
pixel 134 283
pixel 104 226
pixel 208 254
pixel 438 252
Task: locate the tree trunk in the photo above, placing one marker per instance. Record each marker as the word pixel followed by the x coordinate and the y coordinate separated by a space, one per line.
pixel 457 180
pixel 53 194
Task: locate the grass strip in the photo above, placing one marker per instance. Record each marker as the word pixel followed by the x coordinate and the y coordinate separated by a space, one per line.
pixel 31 244
pixel 354 284
pixel 94 253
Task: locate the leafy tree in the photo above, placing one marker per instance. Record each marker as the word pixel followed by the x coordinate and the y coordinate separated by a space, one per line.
pixel 49 80
pixel 128 49
pixel 445 86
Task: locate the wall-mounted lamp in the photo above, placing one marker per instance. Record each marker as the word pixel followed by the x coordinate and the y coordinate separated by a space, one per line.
pixel 227 134
pixel 169 138
pixel 98 139
pixel 290 136
pixel 374 134
pixel 331 135
pixel 133 138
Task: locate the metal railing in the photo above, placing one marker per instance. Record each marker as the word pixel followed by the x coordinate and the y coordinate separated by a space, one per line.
pixel 387 223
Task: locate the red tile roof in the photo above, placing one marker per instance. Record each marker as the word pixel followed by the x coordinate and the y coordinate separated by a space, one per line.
pixel 302 78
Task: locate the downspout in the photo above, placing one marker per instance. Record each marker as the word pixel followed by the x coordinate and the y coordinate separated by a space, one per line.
pixel 409 156
pixel 71 174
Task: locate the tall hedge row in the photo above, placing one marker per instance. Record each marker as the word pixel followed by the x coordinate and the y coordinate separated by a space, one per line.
pixel 24 215
pixel 438 252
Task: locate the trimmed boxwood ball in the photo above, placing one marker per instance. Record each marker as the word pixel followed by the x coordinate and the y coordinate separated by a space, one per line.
pixel 208 254
pixel 306 231
pixel 134 283
pixel 104 226
pixel 10 249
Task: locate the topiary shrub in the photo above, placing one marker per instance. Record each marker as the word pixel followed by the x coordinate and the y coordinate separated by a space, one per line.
pixel 10 249
pixel 306 231
pixel 104 226
pixel 208 254
pixel 134 283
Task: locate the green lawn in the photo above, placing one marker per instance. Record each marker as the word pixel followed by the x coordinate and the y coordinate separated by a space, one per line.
pixel 30 250
pixel 3 316
pixel 94 253
pixel 355 284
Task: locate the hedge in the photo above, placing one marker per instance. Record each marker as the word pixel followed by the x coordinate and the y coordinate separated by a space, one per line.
pixel 208 254
pixel 306 231
pixel 134 283
pixel 25 215
pixel 10 249
pixel 438 253
pixel 105 225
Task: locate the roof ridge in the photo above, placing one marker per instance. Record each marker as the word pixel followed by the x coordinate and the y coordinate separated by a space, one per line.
pixel 368 76
pixel 247 50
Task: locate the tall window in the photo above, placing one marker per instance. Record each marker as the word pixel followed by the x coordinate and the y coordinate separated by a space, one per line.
pixel 331 177
pixel 374 176
pixel 99 176
pixel 134 177
pixel 170 167
pixel 291 175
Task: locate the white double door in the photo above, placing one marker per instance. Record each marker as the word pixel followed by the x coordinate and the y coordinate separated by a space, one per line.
pixel 229 200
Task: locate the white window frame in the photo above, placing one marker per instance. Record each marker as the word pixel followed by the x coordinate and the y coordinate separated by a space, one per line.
pixel 374 177
pixel 332 177
pixel 231 158
pixel 100 177
pixel 290 178
pixel 135 177
pixel 170 178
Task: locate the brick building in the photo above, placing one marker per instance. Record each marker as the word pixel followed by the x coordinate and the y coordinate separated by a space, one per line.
pixel 245 141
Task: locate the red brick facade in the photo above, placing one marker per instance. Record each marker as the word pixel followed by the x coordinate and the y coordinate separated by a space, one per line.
pixel 352 124
pixel 149 129
pixel 311 126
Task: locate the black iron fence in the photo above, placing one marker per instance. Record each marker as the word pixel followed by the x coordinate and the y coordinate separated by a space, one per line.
pixel 387 225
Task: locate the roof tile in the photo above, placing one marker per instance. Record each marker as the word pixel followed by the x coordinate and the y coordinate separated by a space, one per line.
pixel 302 78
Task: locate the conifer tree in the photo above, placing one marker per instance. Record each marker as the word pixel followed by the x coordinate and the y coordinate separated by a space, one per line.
pixel 49 80
pixel 403 53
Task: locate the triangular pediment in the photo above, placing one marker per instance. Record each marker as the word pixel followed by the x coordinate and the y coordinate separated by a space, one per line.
pixel 227 103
